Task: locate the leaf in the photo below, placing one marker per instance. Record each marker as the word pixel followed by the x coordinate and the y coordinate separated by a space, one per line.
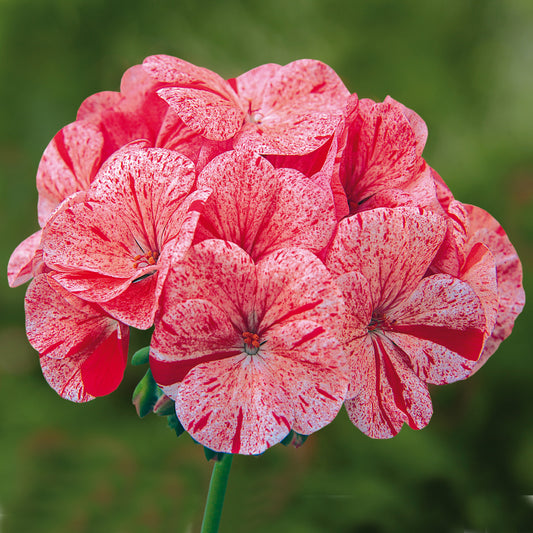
pixel 146 394
pixel 140 357
pixel 175 424
pixel 210 454
pixel 164 406
pixel 294 439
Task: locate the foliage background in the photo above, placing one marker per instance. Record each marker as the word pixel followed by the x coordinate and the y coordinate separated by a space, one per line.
pixel 466 67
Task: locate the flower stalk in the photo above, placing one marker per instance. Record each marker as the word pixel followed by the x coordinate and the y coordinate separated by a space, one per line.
pixel 216 493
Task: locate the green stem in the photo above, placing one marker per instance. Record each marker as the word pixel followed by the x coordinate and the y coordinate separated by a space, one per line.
pixel 215 496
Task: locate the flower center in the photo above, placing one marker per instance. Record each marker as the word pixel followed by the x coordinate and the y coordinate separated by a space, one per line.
pixel 377 323
pixel 147 259
pixel 251 342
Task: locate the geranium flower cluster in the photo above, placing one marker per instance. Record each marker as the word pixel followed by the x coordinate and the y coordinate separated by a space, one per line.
pixel 287 240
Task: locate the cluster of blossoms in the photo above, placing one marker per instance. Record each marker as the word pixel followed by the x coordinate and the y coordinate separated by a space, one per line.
pixel 287 240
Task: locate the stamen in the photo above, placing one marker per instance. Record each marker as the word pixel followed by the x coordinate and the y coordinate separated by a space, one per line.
pixel 147 259
pixel 378 323
pixel 251 342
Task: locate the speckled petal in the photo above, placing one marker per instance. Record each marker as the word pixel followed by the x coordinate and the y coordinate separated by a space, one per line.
pixel 293 284
pixel 209 114
pixel 203 100
pixel 253 402
pixel 382 150
pixel 135 113
pixel 484 228
pixel 235 405
pixel 317 381
pixel 300 109
pixel 20 266
pixel 479 271
pixel 136 306
pixel 418 125
pixel 146 187
pixel 253 205
pixel 82 350
pixel 187 334
pixel 358 302
pixel 251 85
pixel 392 248
pixel 175 71
pixel 69 164
pixel 440 327
pixel 89 236
pixel 390 393
pixel 217 271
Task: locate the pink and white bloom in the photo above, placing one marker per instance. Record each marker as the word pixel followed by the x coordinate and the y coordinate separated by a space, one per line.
pixel 380 158
pixel 485 229
pixel 262 209
pixel 82 350
pixel 403 330
pixel 498 280
pixel 248 350
pixel 114 243
pixel 290 110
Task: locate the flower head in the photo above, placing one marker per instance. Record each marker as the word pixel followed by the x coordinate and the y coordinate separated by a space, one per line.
pixel 403 329
pixel 248 350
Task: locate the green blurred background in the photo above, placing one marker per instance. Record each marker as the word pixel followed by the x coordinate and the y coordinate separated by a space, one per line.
pixel 467 68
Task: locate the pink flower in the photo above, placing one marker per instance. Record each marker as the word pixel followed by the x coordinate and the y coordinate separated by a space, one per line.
pixel 263 209
pixel 380 158
pixel 483 228
pixel 82 350
pixel 290 110
pixel 470 230
pixel 137 112
pixel 248 350
pixel 403 330
pixel 114 243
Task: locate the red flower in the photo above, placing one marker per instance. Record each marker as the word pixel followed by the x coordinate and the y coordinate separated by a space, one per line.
pixel 114 243
pixel 289 110
pixel 403 330
pixel 82 350
pixel 248 351
pixel 380 160
pixel 263 209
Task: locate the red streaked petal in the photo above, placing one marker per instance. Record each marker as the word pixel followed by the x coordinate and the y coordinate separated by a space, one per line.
pixel 20 266
pixel 82 350
pixel 390 393
pixel 252 204
pixel 58 323
pixel 69 164
pixel 392 248
pixel 486 229
pixel 209 114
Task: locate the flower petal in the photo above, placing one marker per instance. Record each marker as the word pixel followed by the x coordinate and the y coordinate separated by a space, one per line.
pixel 82 350
pixel 392 248
pixel 20 266
pixel 252 205
pixel 390 393
pixel 441 328
pixel 211 115
pixel 69 164
pixel 484 228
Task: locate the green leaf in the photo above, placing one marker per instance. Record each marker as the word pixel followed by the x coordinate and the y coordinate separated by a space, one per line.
pixel 164 406
pixel 146 394
pixel 140 357
pixel 175 424
pixel 294 439
pixel 210 454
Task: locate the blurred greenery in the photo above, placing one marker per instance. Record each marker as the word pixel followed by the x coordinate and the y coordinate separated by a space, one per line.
pixel 466 67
